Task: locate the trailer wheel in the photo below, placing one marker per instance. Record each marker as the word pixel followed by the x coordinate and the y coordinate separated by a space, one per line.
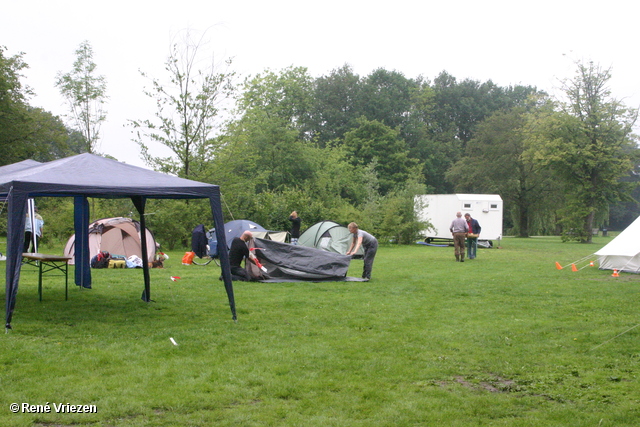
pixel 428 240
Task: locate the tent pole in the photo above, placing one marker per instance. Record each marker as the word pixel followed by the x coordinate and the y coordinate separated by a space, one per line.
pixel 140 202
pixel 81 248
pixel 218 220
pixel 15 240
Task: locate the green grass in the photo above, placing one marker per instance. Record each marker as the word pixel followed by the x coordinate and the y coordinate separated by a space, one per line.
pixel 502 340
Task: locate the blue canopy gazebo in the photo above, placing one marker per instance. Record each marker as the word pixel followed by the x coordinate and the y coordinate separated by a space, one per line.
pixel 87 175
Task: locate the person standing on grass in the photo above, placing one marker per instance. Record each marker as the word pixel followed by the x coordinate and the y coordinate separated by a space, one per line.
pixel 368 243
pixel 459 229
pixel 33 233
pixel 472 242
pixel 295 227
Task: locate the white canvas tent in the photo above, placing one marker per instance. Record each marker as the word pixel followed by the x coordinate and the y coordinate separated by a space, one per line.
pixel 623 252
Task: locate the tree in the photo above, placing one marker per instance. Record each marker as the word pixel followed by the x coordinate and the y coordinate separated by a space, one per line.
pixel 497 161
pixel 27 132
pixel 373 142
pixel 269 134
pixel 590 147
pixel 47 137
pixel 13 107
pixel 187 111
pixel 386 96
pixel 86 94
pixel 335 108
pixel 286 95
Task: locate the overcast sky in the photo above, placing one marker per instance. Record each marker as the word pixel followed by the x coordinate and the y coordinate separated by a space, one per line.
pixel 529 43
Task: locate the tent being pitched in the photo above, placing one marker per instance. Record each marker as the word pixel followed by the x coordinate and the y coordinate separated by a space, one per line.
pixel 285 261
pixel 329 236
pixel 118 236
pixel 236 227
pixel 623 252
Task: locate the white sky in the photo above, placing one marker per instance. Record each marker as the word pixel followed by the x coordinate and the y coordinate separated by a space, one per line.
pixel 509 42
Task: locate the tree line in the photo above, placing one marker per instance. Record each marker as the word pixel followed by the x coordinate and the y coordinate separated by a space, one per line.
pixel 348 148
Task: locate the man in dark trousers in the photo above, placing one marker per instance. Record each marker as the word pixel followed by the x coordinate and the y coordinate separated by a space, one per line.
pixel 459 229
pixel 295 227
pixel 472 238
pixel 238 252
pixel 369 245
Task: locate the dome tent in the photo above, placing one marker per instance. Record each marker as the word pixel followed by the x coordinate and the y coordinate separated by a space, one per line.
pixel 234 229
pixel 329 236
pixel 118 236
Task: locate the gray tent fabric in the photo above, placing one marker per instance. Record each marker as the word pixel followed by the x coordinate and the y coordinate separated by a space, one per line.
pixel 294 262
pixel 14 167
pixel 87 175
pixel 235 228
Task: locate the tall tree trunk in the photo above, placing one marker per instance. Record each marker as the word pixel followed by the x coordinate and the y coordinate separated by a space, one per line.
pixel 588 226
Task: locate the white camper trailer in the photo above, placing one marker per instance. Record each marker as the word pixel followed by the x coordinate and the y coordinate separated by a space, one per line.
pixel 440 210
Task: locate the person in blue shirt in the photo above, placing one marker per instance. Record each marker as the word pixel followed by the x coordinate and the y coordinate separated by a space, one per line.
pixel 30 231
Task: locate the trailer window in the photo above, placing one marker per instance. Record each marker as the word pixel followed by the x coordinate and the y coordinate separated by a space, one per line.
pixel 493 206
pixel 466 206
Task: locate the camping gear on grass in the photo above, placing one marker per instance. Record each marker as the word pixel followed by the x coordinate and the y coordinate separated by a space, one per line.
pixel 118 236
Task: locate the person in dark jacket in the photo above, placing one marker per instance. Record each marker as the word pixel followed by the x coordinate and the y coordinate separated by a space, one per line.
pixel 472 238
pixel 238 252
pixel 295 227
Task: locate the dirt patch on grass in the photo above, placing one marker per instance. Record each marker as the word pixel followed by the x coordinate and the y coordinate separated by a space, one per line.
pixel 495 385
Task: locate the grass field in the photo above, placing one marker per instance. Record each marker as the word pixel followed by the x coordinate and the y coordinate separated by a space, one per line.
pixel 502 340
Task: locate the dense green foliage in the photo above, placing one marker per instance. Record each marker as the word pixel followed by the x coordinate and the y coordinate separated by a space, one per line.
pixel 348 148
pixel 505 340
pixel 27 132
pixel 590 147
